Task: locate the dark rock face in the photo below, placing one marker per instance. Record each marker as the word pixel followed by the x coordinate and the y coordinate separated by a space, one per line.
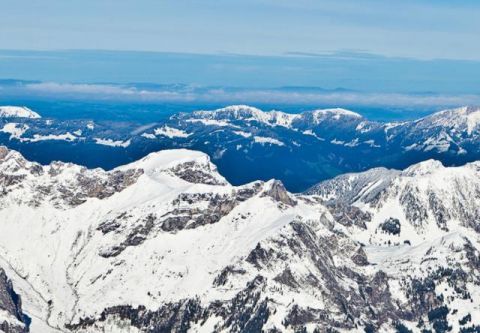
pixel 87 184
pixel 173 317
pixel 278 192
pixel 228 271
pixel 414 210
pixel 11 303
pixel 136 236
pixel 190 218
pixel 197 174
pixel 360 257
pixel 92 186
pixel 3 152
pixel 115 182
pixel 8 181
pixel 349 215
pixel 391 226
pixel 246 312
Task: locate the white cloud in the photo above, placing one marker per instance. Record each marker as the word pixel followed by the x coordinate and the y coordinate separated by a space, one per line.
pixel 235 96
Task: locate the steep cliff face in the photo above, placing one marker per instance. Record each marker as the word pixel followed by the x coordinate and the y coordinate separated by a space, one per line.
pixel 12 319
pixel 166 244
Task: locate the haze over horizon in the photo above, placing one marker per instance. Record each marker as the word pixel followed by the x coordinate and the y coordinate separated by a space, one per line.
pixel 413 53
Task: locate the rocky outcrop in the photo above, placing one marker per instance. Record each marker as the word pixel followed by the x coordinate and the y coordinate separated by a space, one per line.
pixel 278 193
pixel 197 173
pixel 12 319
pixel 55 183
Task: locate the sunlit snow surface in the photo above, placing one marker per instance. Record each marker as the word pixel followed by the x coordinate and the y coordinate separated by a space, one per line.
pixel 55 250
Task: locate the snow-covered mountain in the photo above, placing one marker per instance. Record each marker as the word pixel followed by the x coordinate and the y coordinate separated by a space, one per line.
pixel 245 113
pixel 166 244
pixel 248 144
pixel 17 112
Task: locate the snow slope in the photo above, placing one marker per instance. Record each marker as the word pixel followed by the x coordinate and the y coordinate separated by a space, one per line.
pixel 17 112
pixel 166 244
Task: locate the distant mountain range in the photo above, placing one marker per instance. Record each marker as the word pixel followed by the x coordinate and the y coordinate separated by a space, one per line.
pixel 249 144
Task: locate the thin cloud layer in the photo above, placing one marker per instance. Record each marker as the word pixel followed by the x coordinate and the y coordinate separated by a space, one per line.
pixel 289 96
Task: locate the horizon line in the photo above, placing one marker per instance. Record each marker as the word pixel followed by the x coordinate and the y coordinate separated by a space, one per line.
pixel 347 54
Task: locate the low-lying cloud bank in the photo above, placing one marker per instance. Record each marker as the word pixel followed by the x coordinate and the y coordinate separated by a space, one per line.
pixel 192 94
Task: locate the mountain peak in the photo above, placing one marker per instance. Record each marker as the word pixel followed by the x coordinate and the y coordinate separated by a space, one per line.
pixel 10 155
pixel 335 113
pixel 167 158
pixel 246 113
pixel 276 190
pixel 463 118
pixel 423 168
pixel 191 166
pixel 273 117
pixel 240 108
pixel 17 112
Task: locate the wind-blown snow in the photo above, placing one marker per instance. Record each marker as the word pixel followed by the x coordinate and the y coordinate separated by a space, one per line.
pixel 244 134
pixel 112 143
pixel 337 142
pixel 266 140
pixel 17 131
pixel 311 133
pixel 171 132
pixel 148 136
pixel 59 137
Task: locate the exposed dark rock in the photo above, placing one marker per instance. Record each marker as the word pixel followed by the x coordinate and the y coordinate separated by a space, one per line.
pixel 222 278
pixel 400 328
pixel 93 187
pixel 349 215
pixel 87 183
pixel 11 303
pixel 465 320
pixel 258 256
pixel 135 237
pixel 172 317
pixel 278 192
pixel 414 210
pixel 245 313
pixel 299 317
pixel 360 257
pixel 391 226
pixel 287 278
pixel 197 174
pixel 3 152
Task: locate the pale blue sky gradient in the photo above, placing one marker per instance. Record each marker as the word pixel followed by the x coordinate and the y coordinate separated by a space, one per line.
pixel 325 52
pixel 423 29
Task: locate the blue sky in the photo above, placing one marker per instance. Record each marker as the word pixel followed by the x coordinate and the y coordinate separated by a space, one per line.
pixel 422 29
pixel 367 52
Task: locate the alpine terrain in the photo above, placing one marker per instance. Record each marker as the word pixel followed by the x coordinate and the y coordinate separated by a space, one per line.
pixel 166 244
pixel 248 144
